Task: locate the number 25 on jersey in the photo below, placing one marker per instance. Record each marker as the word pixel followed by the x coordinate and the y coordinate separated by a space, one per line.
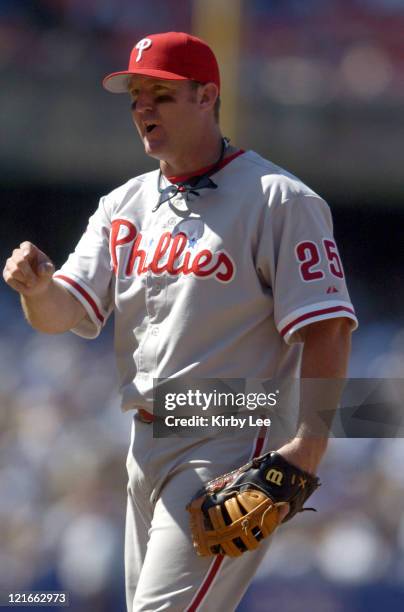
pixel 308 254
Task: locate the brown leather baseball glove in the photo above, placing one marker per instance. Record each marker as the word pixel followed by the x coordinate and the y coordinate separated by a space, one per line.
pixel 234 512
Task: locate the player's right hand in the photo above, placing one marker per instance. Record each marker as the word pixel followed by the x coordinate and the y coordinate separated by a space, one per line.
pixel 28 271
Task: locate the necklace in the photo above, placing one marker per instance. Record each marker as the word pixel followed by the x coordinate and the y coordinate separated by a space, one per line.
pixel 193 184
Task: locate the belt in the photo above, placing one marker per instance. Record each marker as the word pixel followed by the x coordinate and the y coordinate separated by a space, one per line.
pixel 145 417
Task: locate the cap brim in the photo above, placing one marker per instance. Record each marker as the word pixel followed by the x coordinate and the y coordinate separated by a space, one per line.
pixel 117 82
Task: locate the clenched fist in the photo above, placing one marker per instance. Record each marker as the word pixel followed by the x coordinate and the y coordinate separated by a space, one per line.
pixel 29 271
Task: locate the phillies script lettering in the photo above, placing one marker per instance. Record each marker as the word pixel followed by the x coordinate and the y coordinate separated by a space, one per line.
pixel 169 255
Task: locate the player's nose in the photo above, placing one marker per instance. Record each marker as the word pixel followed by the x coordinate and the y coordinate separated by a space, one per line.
pixel 144 102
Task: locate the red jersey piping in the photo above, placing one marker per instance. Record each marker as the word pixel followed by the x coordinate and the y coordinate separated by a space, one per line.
pixel 184 177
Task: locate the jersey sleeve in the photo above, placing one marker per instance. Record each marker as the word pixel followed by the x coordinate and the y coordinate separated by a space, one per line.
pixel 87 274
pixel 299 259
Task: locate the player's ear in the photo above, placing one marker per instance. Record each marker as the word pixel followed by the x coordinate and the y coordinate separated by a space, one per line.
pixel 208 95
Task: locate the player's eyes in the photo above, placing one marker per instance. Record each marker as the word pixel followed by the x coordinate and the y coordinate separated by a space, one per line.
pixel 164 98
pixel 158 99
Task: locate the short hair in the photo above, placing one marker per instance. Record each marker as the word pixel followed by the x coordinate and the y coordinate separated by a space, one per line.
pixel 216 108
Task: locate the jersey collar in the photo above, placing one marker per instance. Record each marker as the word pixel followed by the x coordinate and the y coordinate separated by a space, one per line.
pixel 183 178
pixel 192 184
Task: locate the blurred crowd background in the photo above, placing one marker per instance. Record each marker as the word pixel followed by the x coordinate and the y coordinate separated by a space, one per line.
pixel 321 92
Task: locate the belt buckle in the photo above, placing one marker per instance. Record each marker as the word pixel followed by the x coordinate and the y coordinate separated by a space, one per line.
pixel 145 417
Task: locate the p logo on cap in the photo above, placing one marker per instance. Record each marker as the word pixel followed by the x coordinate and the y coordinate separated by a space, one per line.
pixel 143 44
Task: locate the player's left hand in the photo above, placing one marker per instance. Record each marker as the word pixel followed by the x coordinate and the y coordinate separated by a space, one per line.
pixel 304 453
pixel 234 512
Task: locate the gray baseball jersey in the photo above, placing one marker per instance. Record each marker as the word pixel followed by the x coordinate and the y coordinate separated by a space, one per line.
pixel 215 285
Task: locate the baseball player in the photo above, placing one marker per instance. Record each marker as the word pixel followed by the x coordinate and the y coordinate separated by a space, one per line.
pixel 216 264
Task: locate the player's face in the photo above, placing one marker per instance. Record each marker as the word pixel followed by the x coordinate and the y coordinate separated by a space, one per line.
pixel 166 115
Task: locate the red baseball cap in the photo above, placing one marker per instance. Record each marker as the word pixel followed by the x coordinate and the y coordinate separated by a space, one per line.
pixel 173 56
